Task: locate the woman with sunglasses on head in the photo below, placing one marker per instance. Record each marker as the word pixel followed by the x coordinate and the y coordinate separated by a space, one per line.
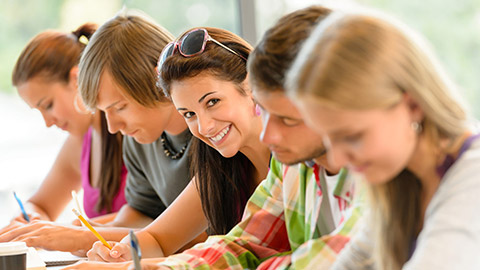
pixel 45 76
pixel 204 72
pixel 394 119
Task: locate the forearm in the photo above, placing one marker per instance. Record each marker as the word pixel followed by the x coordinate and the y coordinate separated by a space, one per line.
pixel 33 208
pixel 129 217
pixel 104 220
pixel 84 238
pixel 148 244
pixel 230 252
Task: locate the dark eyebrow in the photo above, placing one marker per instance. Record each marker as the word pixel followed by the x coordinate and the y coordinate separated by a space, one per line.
pixel 40 101
pixel 199 100
pixel 111 105
pixel 204 96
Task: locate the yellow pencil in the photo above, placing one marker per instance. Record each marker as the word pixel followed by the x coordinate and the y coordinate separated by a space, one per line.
pixel 84 221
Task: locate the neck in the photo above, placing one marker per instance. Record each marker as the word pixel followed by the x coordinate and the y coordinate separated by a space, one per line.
pixel 428 156
pixel 258 153
pixel 176 124
pixel 96 122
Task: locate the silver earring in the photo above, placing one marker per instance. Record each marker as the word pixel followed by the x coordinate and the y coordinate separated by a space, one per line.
pixel 416 127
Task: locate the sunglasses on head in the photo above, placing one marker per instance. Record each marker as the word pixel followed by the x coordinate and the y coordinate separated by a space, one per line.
pixel 191 44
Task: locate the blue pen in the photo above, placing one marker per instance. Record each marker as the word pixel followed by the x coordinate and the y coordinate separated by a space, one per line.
pixel 25 216
pixel 136 253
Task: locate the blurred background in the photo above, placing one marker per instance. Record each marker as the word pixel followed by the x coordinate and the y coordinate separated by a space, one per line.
pixel 28 148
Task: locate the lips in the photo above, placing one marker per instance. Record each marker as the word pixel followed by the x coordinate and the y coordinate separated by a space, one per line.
pixel 219 136
pixel 130 134
pixel 359 169
pixel 275 149
pixel 63 127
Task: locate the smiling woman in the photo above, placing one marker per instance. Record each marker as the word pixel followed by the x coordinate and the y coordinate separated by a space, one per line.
pixel 205 75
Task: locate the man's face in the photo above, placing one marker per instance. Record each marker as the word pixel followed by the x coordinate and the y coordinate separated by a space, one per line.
pixel 132 119
pixel 284 131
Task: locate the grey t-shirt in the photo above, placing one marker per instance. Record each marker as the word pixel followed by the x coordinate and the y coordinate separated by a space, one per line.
pixel 155 180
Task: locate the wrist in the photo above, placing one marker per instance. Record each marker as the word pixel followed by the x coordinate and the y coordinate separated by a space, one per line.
pixel 88 239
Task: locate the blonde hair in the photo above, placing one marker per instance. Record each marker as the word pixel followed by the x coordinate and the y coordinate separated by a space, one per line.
pixel 126 46
pixel 362 61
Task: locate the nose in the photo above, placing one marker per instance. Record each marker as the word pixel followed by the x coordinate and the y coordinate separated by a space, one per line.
pixel 48 119
pixel 113 123
pixel 270 133
pixel 337 156
pixel 205 125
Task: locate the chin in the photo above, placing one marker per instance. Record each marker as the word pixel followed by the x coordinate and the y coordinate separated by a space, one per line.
pixel 377 178
pixel 227 154
pixel 143 140
pixel 285 159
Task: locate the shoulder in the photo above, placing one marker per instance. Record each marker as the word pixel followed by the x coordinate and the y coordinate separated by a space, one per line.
pixel 465 171
pixel 459 188
pixel 131 145
pixel 73 142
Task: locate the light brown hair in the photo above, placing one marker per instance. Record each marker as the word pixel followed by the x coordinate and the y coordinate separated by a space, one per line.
pixel 274 54
pixel 126 46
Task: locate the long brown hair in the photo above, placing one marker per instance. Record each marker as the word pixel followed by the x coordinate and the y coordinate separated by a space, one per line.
pixel 361 62
pixel 52 54
pixel 224 184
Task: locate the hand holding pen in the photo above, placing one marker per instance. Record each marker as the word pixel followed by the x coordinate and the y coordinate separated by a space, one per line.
pixel 24 213
pixel 85 222
pixel 136 252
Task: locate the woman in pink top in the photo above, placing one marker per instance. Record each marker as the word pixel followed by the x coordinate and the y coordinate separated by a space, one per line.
pixel 91 193
pixel 45 76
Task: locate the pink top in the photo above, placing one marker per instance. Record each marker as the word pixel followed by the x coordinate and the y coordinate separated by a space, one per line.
pixel 90 194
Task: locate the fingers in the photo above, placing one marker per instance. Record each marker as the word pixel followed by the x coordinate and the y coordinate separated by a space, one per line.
pixel 52 237
pixel 38 239
pixel 99 252
pixel 32 216
pixel 121 250
pixel 19 230
pixel 20 219
pixel 76 222
pixel 11 226
pixel 80 253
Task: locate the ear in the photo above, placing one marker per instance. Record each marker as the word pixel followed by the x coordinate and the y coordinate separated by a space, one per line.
pixel 246 86
pixel 414 108
pixel 73 76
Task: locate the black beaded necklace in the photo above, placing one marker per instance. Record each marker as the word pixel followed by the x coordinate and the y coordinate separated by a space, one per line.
pixel 168 150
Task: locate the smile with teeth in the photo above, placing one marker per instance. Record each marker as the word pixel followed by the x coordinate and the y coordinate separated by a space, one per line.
pixel 220 135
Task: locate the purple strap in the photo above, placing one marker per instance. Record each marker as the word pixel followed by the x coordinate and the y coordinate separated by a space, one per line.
pixel 449 160
pixel 441 170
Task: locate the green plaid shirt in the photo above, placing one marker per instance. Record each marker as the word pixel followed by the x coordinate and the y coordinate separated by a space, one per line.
pixel 278 229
